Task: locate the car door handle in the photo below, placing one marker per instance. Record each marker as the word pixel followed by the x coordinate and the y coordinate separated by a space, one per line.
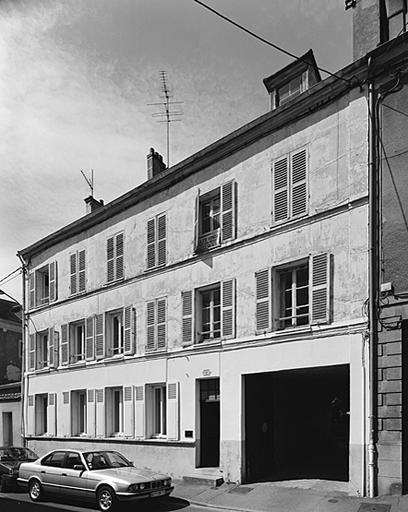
pixel 43 472
pixel 63 474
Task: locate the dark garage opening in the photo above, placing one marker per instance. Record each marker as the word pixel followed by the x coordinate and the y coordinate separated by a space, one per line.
pixel 297 424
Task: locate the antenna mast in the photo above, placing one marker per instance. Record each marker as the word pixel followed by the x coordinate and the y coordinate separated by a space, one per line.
pixel 168 115
pixel 90 181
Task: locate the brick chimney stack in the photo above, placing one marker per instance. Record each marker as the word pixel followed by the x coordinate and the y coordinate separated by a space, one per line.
pixel 92 204
pixel 155 164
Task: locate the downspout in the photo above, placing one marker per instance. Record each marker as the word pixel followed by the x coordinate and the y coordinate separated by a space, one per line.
pixel 23 354
pixel 373 284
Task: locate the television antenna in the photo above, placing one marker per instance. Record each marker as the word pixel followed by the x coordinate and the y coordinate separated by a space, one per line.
pixel 167 115
pixel 90 181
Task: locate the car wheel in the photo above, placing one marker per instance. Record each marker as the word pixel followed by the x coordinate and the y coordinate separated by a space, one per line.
pixel 35 490
pixel 106 498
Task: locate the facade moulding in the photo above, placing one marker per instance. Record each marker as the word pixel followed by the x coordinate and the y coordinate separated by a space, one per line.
pixel 119 440
pixel 273 231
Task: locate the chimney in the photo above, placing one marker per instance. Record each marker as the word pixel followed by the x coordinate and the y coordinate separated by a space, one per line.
pixel 92 204
pixel 155 164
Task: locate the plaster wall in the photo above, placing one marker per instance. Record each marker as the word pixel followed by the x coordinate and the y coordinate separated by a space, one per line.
pixel 15 409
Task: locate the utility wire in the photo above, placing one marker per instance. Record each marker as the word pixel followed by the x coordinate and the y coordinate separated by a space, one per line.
pixel 396 110
pixel 9 279
pixel 269 43
pixel 8 275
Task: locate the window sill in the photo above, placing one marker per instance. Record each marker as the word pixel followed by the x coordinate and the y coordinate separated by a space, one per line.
pixel 77 364
pixel 114 281
pixel 158 437
pixel 113 358
pixel 207 343
pixel 156 267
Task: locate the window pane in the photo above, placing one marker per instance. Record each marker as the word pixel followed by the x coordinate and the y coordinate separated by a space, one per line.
pixel 396 25
pixel 302 297
pixel 217 314
pixel 302 276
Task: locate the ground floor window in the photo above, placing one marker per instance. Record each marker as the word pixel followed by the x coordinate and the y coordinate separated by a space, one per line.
pixel 114 411
pixel 41 406
pixel 78 412
pixel 156 410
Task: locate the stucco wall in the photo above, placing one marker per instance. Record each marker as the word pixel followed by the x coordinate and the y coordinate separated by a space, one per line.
pixel 15 409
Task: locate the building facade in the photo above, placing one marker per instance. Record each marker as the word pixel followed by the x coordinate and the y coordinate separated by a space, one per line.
pixel 10 375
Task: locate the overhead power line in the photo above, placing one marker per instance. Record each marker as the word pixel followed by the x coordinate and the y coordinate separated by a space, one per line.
pixel 8 275
pixel 269 43
pixel 396 110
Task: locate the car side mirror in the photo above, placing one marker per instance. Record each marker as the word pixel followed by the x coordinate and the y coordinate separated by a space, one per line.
pixel 79 467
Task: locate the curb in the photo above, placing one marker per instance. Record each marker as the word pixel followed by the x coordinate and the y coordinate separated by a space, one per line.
pixel 215 506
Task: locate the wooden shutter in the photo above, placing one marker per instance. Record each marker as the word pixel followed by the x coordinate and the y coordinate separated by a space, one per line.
pixel 81 271
pixel 99 337
pixel 228 308
pixel 31 352
pixel 53 281
pixel 52 414
pixel 280 190
pixel 320 288
pixel 161 323
pixel 228 211
pixel 31 289
pixel 197 221
pixel 90 338
pixel 119 255
pixel 100 413
pixel 51 348
pixel 187 299
pixel 173 427
pixel 64 418
pixel 73 272
pixel 90 413
pixel 151 243
pixel 128 411
pixel 298 183
pixel 110 257
pixel 263 301
pixel 129 330
pixel 139 412
pixel 30 425
pixel 150 325
pixel 64 344
pixel 161 240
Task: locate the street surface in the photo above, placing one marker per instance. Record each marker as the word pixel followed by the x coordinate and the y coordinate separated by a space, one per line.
pixel 20 502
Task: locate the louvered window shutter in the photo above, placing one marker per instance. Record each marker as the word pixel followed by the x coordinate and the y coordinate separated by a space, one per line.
pixel 31 289
pixel 280 190
pixel 64 344
pixel 129 330
pixel 161 323
pixel 228 308
pixel 151 243
pixel 73 273
pixel 298 183
pixel 150 325
pixel 100 413
pixel 31 352
pixel 64 418
pixel 119 255
pixel 128 411
pixel 90 338
pixel 53 281
pixel 99 337
pixel 110 255
pixel 81 271
pixel 30 416
pixel 56 348
pixel 196 221
pixel 161 240
pixel 51 414
pixel 51 349
pixel 139 412
pixel 90 413
pixel 173 427
pixel 187 307
pixel 320 288
pixel 228 211
pixel 263 301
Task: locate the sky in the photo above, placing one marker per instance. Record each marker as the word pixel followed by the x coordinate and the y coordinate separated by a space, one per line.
pixel 77 77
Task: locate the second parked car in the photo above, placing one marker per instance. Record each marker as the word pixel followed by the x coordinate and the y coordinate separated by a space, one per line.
pixel 104 475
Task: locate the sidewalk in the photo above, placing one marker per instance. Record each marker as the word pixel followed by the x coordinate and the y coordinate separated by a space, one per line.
pixel 274 497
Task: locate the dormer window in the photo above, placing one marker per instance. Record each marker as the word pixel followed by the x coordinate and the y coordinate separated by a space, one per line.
pixel 292 80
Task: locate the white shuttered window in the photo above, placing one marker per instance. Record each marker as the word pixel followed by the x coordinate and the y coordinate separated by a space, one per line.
pixel 114 257
pixel 156 324
pixel 77 272
pixel 156 241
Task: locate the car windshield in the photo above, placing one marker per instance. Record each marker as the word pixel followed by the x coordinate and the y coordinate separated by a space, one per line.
pixel 17 453
pixel 105 460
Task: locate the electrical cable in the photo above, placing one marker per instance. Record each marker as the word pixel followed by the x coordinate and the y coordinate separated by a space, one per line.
pixel 395 110
pixel 8 275
pixel 269 43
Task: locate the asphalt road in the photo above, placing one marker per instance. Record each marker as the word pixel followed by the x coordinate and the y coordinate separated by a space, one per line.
pixel 19 502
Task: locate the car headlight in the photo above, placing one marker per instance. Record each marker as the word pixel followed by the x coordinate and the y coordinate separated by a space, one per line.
pixel 167 482
pixel 136 487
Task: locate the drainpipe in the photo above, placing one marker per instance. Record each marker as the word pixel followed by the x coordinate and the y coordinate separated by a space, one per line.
pixel 373 284
pixel 23 354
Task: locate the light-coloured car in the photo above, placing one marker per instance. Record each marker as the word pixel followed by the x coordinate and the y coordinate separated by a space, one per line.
pixel 104 475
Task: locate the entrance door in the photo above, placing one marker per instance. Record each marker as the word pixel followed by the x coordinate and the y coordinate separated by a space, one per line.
pixel 7 429
pixel 209 423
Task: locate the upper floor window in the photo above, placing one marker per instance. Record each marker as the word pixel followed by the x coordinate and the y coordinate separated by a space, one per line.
pixel 77 271
pixel 215 217
pixel 289 183
pixel 43 350
pixel 396 14
pixel 42 285
pixel 115 254
pixel 301 294
pixel 156 316
pixel 156 241
pixel 114 332
pixel 290 89
pixel 77 341
pixel 209 313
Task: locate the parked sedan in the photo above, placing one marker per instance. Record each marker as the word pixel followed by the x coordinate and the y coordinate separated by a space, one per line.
pixel 106 476
pixel 11 458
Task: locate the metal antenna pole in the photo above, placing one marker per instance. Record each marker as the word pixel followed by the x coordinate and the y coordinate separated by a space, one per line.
pixel 90 181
